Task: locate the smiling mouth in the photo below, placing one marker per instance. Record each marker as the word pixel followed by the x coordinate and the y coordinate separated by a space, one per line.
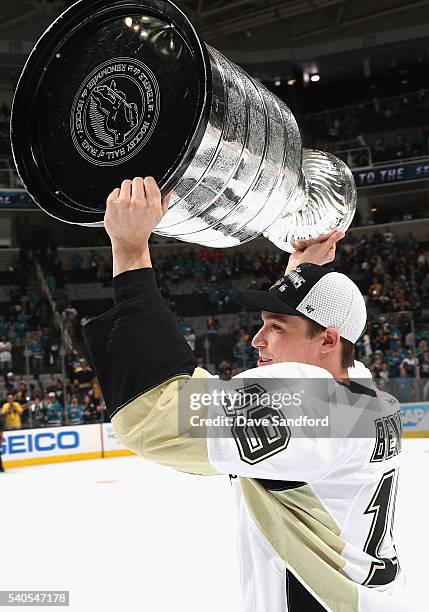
pixel 264 362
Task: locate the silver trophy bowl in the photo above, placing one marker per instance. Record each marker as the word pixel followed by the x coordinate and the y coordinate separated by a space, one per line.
pixel 228 149
pixel 250 175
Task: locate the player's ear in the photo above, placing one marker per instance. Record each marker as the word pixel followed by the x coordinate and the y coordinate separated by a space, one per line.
pixel 331 339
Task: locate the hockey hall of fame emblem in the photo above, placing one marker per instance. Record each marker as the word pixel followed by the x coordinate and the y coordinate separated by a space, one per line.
pixel 115 111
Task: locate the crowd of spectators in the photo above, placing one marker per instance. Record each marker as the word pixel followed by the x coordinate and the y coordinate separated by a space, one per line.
pixel 392 273
pixel 96 264
pixel 25 323
pixel 102 268
pixel 77 401
pixel 212 272
pixel 27 335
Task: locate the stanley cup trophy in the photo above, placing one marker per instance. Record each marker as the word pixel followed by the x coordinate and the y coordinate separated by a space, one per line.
pixel 125 88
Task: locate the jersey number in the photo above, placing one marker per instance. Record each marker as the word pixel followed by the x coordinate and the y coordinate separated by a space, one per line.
pixel 383 571
pixel 259 436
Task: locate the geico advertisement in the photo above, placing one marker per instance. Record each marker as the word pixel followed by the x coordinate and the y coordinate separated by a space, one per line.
pixel 26 443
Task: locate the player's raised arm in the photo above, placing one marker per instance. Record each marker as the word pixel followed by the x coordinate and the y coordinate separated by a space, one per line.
pixel 138 352
pixel 319 250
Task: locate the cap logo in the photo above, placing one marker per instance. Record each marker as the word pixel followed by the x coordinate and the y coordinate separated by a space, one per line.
pixel 309 308
pixel 115 111
pixel 296 279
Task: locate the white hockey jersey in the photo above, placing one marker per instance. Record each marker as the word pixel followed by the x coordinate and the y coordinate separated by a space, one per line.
pixel 315 517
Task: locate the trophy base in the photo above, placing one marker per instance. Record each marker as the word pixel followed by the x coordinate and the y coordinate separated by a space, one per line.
pixel 324 200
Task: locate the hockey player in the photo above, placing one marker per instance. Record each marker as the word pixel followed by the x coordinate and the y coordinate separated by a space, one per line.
pixel 315 514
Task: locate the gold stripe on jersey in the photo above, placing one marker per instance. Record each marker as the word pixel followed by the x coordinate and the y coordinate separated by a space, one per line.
pixel 306 537
pixel 149 426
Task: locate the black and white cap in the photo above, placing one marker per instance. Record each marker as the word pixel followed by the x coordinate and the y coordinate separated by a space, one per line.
pixel 329 298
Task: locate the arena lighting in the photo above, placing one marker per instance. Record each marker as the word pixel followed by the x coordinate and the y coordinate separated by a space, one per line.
pixel 374 209
pixel 128 21
pixel 277 82
pixel 315 78
pixel 291 82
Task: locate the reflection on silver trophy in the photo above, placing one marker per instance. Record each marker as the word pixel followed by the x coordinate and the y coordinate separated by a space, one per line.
pixel 251 176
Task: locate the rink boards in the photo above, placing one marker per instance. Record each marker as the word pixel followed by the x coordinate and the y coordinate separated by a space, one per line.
pixel 56 444
pixel 74 443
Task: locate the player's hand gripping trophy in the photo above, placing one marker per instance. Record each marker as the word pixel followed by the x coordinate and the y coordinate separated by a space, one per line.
pixel 117 90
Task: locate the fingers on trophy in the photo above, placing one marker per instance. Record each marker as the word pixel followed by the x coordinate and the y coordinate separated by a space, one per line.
pixel 112 92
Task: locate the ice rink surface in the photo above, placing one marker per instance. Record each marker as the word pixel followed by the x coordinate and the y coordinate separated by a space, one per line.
pixel 124 534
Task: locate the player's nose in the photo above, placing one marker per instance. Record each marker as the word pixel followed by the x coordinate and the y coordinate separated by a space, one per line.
pixel 259 340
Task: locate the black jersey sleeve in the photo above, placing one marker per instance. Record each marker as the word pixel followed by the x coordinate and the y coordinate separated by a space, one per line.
pixel 137 344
